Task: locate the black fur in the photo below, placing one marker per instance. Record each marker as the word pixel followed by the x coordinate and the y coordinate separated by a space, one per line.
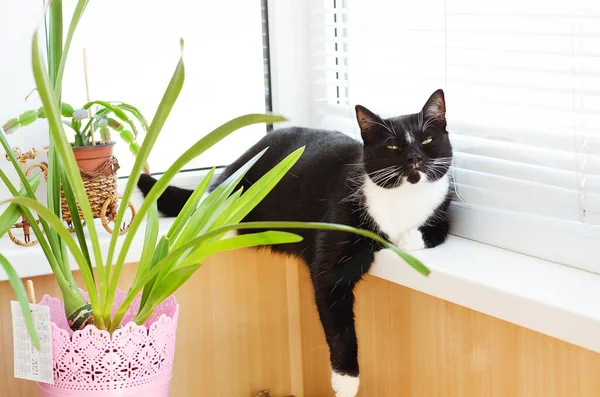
pixel 322 187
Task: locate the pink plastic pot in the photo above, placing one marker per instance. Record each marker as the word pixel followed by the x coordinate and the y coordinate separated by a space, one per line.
pixel 136 361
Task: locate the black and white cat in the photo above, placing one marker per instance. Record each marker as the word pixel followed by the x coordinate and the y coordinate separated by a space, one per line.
pixel 395 184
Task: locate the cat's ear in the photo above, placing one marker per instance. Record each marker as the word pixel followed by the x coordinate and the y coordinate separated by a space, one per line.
pixel 435 107
pixel 368 122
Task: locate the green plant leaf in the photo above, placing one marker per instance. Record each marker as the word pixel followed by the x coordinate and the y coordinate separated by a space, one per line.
pixel 66 110
pixel 55 39
pixel 76 220
pixel 263 186
pixel 174 254
pixel 134 111
pixel 53 194
pixel 409 259
pixel 198 148
pixel 220 216
pixel 64 233
pixel 236 242
pixel 163 111
pixel 117 112
pixel 190 206
pixel 19 290
pixel 28 117
pixel 162 250
pixel 202 215
pixel 45 243
pixel 65 152
pixel 11 125
pixel 77 13
pixel 150 238
pixel 13 212
pixel 213 217
pixel 182 273
pixel 30 193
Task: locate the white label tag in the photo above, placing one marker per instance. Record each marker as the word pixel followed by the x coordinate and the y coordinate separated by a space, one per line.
pixel 32 364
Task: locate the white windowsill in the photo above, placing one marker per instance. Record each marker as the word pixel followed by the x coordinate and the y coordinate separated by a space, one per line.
pixel 553 299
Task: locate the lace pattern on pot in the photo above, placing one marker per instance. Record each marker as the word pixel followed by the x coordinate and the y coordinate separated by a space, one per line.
pixel 135 355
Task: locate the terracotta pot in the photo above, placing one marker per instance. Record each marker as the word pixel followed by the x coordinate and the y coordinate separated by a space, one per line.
pixel 89 158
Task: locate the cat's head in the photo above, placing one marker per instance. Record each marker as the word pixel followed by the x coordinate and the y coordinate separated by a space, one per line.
pixel 414 148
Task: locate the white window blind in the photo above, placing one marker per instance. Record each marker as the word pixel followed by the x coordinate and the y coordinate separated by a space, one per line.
pixel 522 83
pixel 328 31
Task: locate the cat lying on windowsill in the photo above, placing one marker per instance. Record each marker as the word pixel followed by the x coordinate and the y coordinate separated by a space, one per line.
pixel 395 183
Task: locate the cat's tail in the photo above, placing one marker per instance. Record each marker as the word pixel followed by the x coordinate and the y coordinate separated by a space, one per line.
pixel 171 201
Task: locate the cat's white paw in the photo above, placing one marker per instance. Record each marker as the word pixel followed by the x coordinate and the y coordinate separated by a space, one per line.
pixel 344 385
pixel 411 241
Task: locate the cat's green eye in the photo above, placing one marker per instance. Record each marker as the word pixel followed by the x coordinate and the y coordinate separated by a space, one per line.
pixel 427 141
pixel 392 147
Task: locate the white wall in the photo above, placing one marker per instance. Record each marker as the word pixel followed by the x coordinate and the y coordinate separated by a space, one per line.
pixel 17 23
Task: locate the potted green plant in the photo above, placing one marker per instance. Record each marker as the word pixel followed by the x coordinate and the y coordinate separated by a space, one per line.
pixel 92 142
pixel 93 149
pixel 126 348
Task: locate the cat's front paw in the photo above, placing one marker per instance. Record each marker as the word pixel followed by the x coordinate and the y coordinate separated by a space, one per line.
pixel 344 385
pixel 411 241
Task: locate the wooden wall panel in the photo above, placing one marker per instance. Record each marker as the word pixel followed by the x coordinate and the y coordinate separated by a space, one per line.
pixel 414 345
pixel 249 322
pixel 233 336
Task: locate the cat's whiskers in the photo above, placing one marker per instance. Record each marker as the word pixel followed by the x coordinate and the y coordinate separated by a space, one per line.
pixel 438 167
pixel 382 173
pixel 383 178
pixel 383 124
pixel 430 120
pixel 391 125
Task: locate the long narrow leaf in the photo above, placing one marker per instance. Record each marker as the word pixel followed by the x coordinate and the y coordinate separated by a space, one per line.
pixel 17 286
pixel 44 244
pixel 182 273
pixel 162 250
pixel 236 242
pixel 11 214
pixel 61 230
pixel 213 217
pixel 53 242
pixel 198 148
pixel 65 152
pixel 164 109
pixel 53 193
pixel 77 13
pixel 214 199
pixel 76 220
pixel 150 238
pixel 263 186
pixel 190 206
pixel 55 39
pixel 137 287
pixel 219 218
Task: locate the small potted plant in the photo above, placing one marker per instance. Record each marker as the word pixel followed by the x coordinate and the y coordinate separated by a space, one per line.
pixel 93 149
pixel 122 343
pixel 92 143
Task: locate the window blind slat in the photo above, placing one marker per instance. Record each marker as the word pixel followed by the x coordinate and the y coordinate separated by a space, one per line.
pixel 515 170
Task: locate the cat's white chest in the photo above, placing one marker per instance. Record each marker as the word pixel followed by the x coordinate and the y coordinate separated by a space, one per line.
pixel 399 210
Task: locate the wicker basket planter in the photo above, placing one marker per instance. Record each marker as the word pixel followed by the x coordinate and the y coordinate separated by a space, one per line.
pixel 98 169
